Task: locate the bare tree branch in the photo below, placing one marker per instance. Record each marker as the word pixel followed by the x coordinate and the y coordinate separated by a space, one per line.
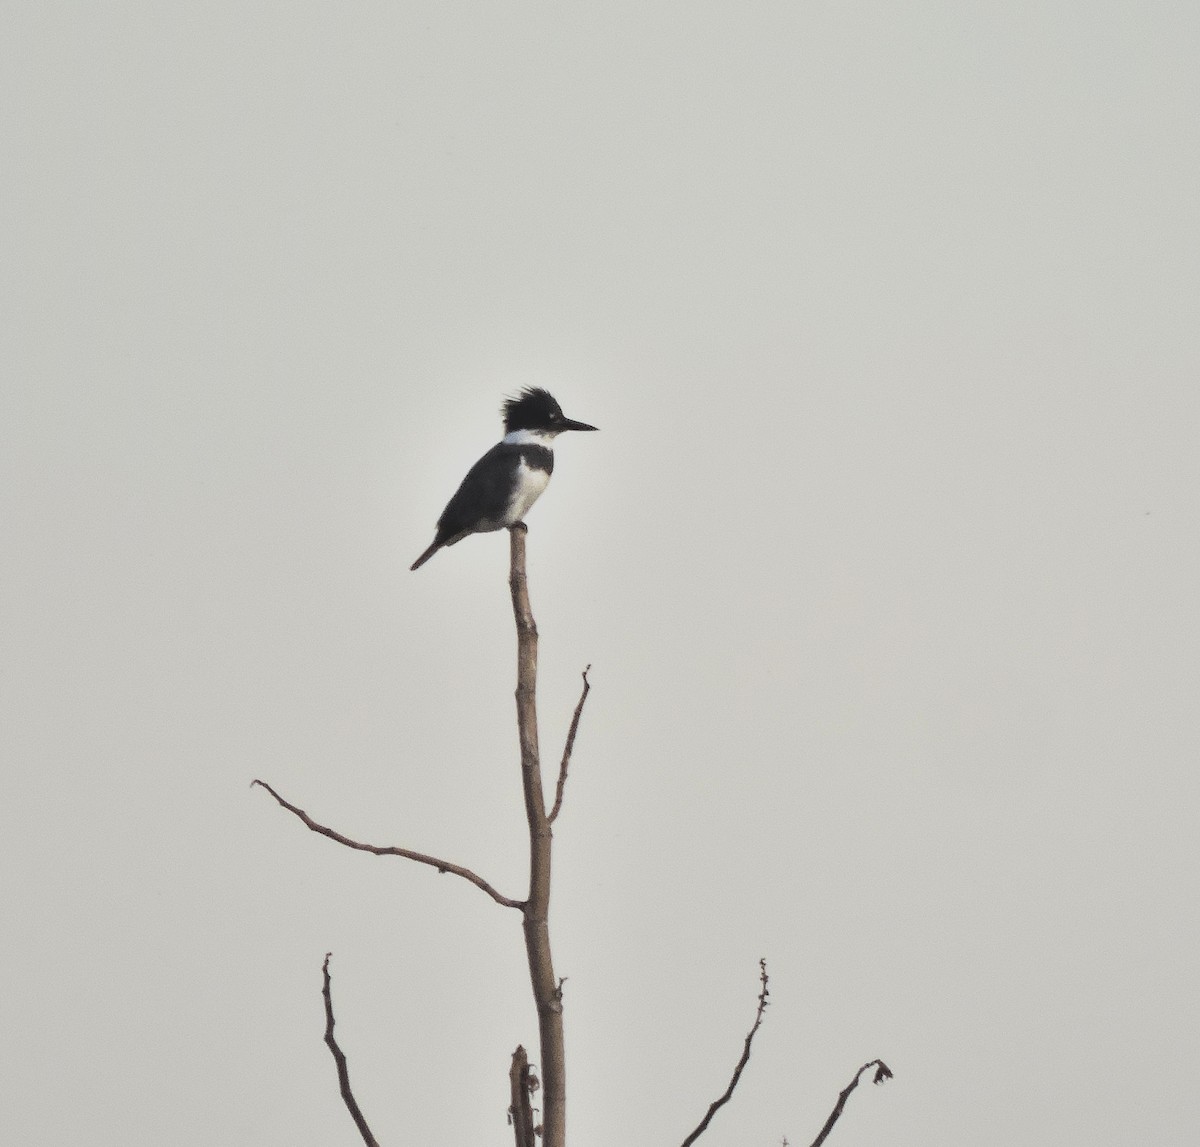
pixel 407 853
pixel 737 1071
pixel 520 1114
pixel 566 757
pixel 536 911
pixel 340 1059
pixel 882 1072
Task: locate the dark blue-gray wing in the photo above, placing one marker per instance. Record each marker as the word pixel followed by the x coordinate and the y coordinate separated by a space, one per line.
pixel 483 495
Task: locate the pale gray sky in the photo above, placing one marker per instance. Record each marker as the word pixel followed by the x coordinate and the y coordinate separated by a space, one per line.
pixel 886 559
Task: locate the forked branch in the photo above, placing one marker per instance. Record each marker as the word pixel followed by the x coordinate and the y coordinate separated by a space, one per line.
pixel 340 1059
pixel 566 757
pixel 882 1072
pixel 737 1071
pixel 389 850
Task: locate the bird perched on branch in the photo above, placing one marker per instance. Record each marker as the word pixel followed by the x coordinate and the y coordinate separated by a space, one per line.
pixel 501 487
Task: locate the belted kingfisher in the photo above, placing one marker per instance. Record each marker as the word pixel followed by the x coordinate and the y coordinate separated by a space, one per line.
pixel 501 487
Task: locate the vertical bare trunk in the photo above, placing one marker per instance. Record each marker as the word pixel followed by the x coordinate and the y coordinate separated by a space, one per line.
pixel 546 991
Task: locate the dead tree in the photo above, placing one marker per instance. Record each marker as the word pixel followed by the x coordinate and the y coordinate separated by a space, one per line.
pixel 534 908
pixel 535 912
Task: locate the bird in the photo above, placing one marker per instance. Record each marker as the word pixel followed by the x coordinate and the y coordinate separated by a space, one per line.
pixel 500 488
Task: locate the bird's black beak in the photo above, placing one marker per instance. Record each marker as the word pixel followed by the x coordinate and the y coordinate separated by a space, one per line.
pixel 571 424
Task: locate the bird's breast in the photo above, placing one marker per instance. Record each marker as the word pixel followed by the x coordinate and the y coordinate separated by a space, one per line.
pixel 530 481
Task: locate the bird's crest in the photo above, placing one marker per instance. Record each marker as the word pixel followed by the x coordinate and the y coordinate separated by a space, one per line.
pixel 533 407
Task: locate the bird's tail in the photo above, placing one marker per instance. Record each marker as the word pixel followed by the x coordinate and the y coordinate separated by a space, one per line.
pixel 433 549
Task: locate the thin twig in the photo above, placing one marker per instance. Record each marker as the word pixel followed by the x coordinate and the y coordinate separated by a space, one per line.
pixel 882 1072
pixel 406 853
pixel 340 1059
pixel 737 1071
pixel 566 757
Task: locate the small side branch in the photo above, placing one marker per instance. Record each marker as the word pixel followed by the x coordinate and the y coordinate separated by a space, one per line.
pixel 882 1072
pixel 406 853
pixel 566 757
pixel 520 1114
pixel 737 1071
pixel 340 1059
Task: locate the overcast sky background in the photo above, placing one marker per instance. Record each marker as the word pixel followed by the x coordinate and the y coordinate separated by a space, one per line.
pixel 885 559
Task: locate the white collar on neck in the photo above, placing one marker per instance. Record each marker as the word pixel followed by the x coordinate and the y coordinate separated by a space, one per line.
pixel 531 438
